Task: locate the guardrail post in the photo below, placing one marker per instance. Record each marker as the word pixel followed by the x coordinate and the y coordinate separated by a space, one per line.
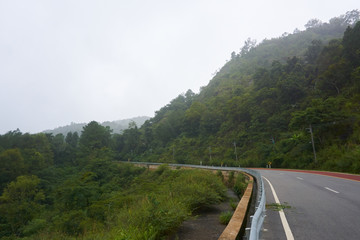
pixel 247 233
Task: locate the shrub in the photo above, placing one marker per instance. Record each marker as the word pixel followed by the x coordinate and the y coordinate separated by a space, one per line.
pixel 240 185
pixel 72 222
pixel 231 178
pixel 233 204
pixel 162 168
pixel 34 226
pixel 220 175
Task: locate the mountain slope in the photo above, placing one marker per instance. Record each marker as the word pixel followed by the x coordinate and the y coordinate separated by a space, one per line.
pixel 259 106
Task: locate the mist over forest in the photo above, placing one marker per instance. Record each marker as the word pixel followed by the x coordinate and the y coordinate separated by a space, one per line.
pixel 117 126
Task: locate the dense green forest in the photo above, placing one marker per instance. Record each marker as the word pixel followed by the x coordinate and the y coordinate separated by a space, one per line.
pixel 293 101
pixel 71 188
pixel 267 104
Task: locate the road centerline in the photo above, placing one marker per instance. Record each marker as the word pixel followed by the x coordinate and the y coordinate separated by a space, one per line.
pixel 288 233
pixel 332 190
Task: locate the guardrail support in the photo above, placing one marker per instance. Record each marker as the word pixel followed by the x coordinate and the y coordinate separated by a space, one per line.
pixel 247 233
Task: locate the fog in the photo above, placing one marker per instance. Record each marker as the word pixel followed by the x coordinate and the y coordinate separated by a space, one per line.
pixel 77 61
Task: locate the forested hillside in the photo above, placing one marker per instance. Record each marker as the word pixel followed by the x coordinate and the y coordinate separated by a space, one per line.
pixel 262 104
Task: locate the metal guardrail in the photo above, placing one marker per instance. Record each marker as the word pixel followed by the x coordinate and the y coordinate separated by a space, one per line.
pixel 253 232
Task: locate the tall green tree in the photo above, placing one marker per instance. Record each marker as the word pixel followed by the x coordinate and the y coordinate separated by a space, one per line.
pixel 21 202
pixel 351 43
pixel 94 136
pixel 12 165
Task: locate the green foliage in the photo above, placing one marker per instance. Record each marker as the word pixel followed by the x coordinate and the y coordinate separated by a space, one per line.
pixel 352 45
pixel 20 202
pixel 220 175
pixel 161 169
pixel 34 226
pixel 225 217
pixel 105 200
pixel 94 136
pixel 231 179
pixel 233 204
pixel 320 112
pixel 12 165
pixel 240 185
pixel 164 202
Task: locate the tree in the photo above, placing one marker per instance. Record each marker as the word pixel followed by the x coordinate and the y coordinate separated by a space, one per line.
pixel 233 55
pixel 12 165
pixel 131 140
pixel 38 143
pixel 11 139
pixel 352 17
pixel 193 118
pixel 21 201
pixel 319 112
pixel 248 45
pixel 58 146
pixel 335 77
pixel 71 146
pixel 329 55
pixel 78 192
pixel 312 23
pixel 313 51
pixel 94 136
pixel 351 43
pixel 35 160
pixel 72 139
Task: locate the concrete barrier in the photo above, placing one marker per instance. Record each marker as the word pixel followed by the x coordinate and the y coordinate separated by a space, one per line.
pixel 238 219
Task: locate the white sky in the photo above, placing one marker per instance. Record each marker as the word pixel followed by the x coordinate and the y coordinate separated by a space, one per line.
pixel 77 61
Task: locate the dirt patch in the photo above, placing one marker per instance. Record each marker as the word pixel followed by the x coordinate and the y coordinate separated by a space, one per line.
pixel 206 225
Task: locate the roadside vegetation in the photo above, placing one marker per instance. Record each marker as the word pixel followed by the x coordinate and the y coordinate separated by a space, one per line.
pixel 53 188
pixel 225 217
pixel 100 199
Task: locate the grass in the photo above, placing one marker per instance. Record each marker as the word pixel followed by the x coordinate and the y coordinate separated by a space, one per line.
pixel 277 206
pixel 233 204
pixel 225 217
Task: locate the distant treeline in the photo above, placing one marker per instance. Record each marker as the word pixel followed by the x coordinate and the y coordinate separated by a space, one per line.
pixel 116 126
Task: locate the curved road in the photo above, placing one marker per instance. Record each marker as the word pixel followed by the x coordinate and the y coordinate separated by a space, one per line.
pixel 318 206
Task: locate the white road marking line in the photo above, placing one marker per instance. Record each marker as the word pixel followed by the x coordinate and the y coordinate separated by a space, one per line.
pixel 288 233
pixel 331 190
pixel 300 178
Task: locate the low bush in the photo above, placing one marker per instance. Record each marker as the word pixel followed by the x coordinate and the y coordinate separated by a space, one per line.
pixel 233 204
pixel 240 185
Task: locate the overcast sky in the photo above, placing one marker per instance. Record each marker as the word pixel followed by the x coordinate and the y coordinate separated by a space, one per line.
pixel 78 61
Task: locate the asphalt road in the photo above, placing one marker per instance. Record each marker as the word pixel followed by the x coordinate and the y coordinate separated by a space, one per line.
pixel 317 206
